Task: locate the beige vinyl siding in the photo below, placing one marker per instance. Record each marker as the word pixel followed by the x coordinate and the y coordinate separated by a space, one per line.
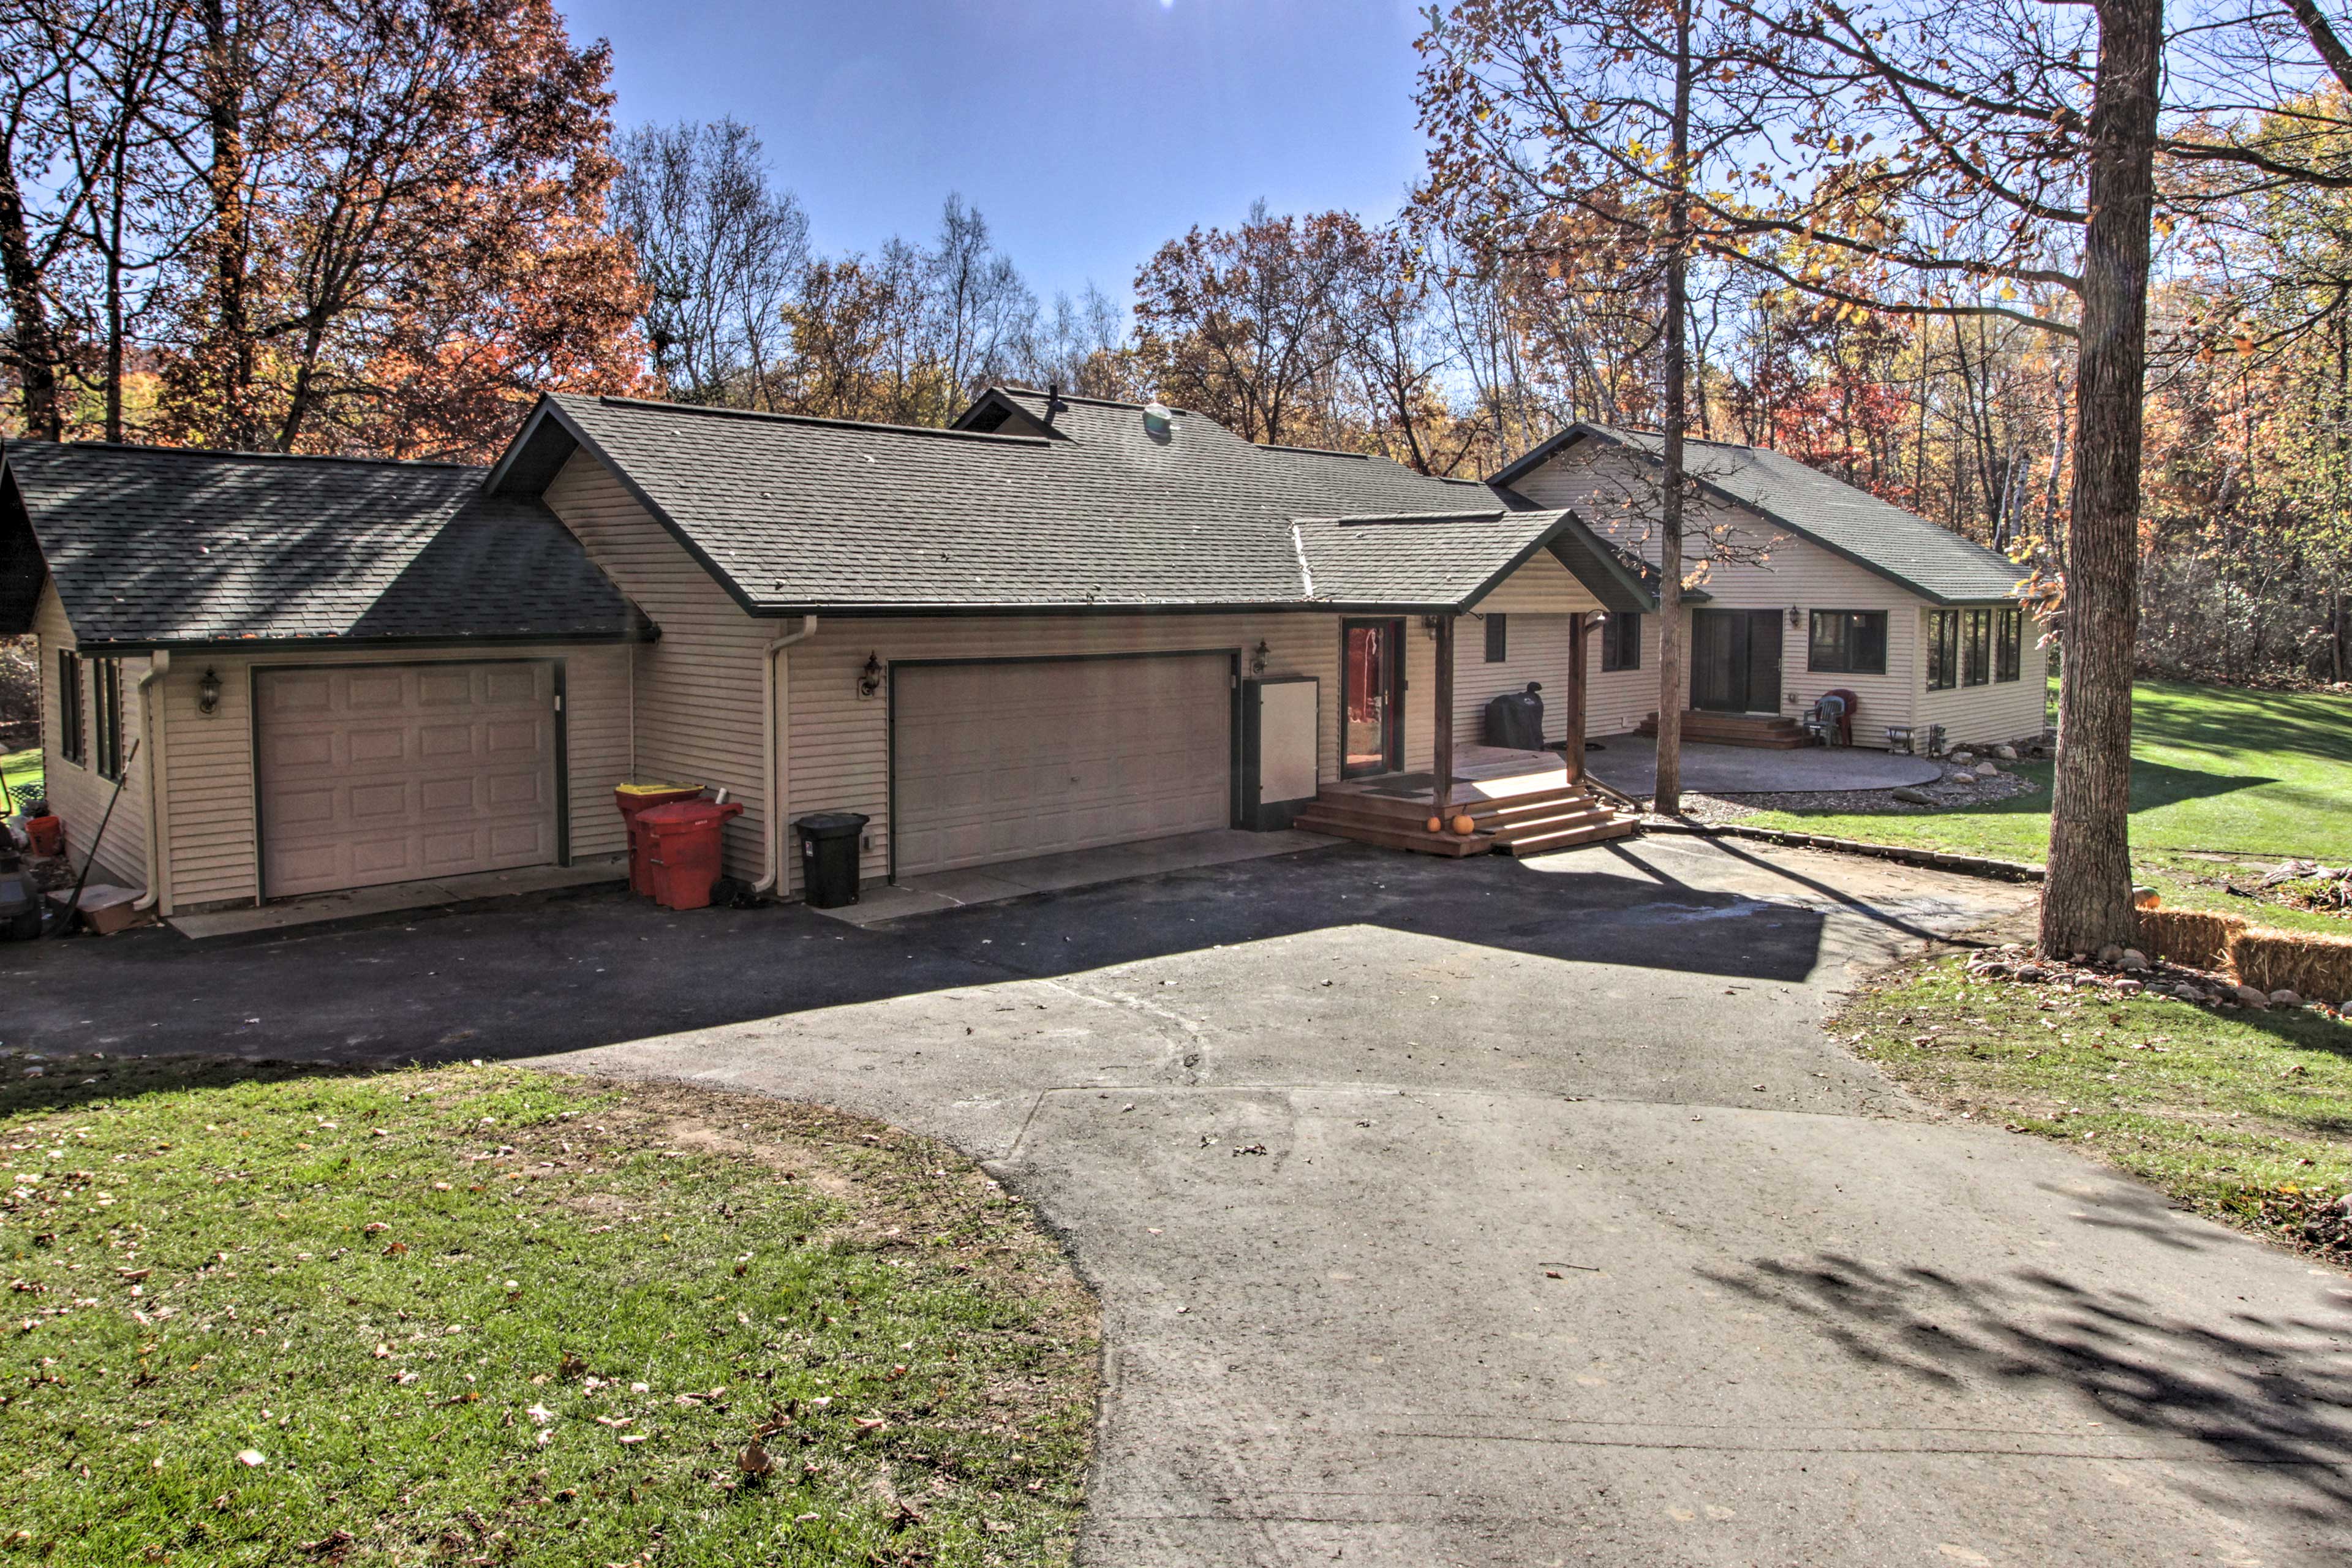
pixel 1998 711
pixel 699 688
pixel 1541 586
pixel 1538 600
pixel 208 757
pixel 1622 698
pixel 77 792
pixel 1605 486
pixel 1537 649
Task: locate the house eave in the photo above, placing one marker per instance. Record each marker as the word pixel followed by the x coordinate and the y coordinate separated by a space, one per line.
pixel 103 648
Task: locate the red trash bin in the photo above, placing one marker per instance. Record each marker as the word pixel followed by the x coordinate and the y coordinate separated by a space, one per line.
pixel 683 847
pixel 634 799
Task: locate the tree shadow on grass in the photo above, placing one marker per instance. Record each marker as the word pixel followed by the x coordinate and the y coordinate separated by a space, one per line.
pixel 2268 1390
pixel 2226 723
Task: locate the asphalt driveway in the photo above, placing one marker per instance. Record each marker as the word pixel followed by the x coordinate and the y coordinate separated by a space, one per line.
pixel 1467 1212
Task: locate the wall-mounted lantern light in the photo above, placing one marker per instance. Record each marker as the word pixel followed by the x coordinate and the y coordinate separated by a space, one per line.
pixel 869 679
pixel 208 691
pixel 1258 656
pixel 1796 617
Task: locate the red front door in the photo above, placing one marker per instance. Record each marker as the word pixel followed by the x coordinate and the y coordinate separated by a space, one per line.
pixel 1371 687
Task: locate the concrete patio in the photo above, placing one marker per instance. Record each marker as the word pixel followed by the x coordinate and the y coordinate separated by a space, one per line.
pixel 1629 764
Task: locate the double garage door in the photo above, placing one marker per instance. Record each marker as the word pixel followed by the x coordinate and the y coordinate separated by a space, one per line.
pixel 998 762
pixel 374 773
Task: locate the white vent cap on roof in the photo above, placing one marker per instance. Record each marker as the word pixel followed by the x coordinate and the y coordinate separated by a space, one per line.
pixel 1158 417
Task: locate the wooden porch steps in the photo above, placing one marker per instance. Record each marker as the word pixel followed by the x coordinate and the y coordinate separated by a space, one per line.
pixel 1528 823
pixel 1767 732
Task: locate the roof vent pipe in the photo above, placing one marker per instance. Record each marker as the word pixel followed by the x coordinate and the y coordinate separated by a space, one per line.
pixel 1054 403
pixel 1156 419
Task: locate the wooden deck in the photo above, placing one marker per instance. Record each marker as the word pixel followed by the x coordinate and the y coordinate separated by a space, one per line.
pixel 1521 802
pixel 1765 730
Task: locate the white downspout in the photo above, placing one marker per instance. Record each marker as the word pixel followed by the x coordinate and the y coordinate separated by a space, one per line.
pixel 159 871
pixel 772 734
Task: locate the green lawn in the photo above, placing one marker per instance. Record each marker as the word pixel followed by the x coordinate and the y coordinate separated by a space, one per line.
pixel 18 769
pixel 269 1316
pixel 2246 1117
pixel 2261 774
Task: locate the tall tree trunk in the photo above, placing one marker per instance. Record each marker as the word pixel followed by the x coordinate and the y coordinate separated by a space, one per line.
pixel 225 80
pixel 114 292
pixel 2087 903
pixel 1668 800
pixel 33 346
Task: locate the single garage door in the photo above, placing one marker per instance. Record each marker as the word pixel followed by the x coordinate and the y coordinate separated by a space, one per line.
pixel 997 762
pixel 373 774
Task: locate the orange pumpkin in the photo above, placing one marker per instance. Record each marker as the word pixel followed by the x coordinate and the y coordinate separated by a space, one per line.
pixel 1465 824
pixel 1436 825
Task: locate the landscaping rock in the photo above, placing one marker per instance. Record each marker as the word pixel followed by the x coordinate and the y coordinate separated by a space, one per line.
pixel 2111 954
pixel 1987 769
pixel 2283 997
pixel 2128 988
pixel 1963 759
pixel 2134 959
pixel 2247 996
pixel 2031 972
pixel 2006 753
pixel 1910 796
pixel 2188 993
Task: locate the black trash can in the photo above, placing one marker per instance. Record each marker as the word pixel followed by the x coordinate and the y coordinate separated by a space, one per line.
pixel 829 857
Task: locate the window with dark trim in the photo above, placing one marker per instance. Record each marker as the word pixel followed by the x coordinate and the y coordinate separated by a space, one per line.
pixel 2009 642
pixel 106 710
pixel 1621 640
pixel 1976 663
pixel 1848 642
pixel 72 745
pixel 1943 649
pixel 1497 638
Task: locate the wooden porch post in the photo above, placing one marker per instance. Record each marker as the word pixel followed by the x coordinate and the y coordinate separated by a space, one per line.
pixel 1441 708
pixel 1579 627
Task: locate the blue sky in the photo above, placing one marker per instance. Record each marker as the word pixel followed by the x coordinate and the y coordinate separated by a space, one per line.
pixel 1087 131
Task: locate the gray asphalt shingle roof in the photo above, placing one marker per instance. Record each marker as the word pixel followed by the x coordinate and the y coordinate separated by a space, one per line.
pixel 803 514
pixel 1902 546
pixel 154 545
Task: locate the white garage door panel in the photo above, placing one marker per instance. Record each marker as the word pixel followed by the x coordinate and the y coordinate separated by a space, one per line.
pixel 389 774
pixel 997 762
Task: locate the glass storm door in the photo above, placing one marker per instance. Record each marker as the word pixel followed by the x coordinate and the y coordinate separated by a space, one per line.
pixel 1371 682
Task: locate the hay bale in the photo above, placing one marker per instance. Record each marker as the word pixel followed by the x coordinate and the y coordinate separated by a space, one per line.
pixel 2301 962
pixel 2197 938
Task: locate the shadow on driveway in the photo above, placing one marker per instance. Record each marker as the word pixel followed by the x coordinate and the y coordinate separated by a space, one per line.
pixel 2269 1390
pixel 573 973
